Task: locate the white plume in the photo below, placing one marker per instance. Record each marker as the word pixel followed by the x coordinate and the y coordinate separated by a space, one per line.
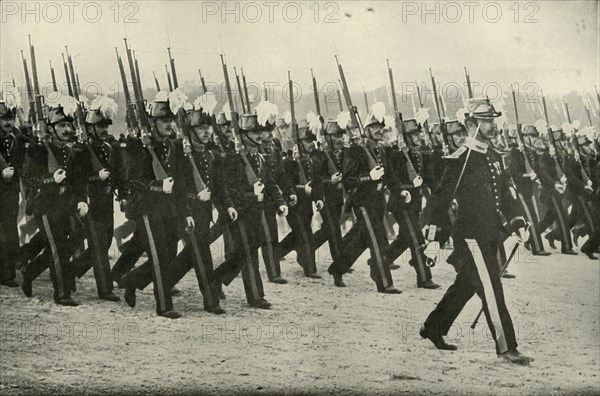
pixel 343 119
pixel 162 96
pixel 576 124
pixel 188 106
pixel 265 111
pixel 502 120
pixel 422 115
pixel 227 111
pixel 314 123
pixel 589 132
pixel 12 99
pixel 540 125
pixel 287 117
pixel 460 115
pixel 177 99
pixel 378 111
pixel 207 102
pixel 68 103
pixel 567 129
pixel 107 106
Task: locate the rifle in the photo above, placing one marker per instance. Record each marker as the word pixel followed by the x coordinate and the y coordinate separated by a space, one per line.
pixel 187 149
pixel 551 140
pixel 239 86
pixel 339 96
pixel 331 165
pixel 469 88
pixel 250 174
pixel 366 100
pixel 266 94
pixel 172 61
pixel 137 78
pixel 169 78
pixel 39 112
pixel 426 123
pixel 67 77
pixel 204 90
pixel 326 104
pixel 528 168
pixel 315 93
pixel 438 107
pixel 30 97
pixel 245 91
pixel 130 110
pixel 295 132
pixel 54 86
pixel 575 143
pixel 72 72
pixel 156 81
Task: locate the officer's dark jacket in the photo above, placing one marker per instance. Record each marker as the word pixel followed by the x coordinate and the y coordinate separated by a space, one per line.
pixel 399 162
pixel 311 169
pixel 361 189
pixel 13 147
pixel 101 193
pixel 44 196
pixel 239 187
pixel 145 190
pixel 483 195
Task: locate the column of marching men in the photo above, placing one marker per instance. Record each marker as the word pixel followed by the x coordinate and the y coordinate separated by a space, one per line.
pixel 168 181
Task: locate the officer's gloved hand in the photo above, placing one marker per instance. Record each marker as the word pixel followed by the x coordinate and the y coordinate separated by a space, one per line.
pixel 336 178
pixel 590 183
pixel 82 209
pixel 204 195
pixel 559 187
pixel 282 210
pixel 232 213
pixel 406 196
pixel 103 174
pixel 532 175
pixel 189 224
pixel 376 173
pixel 563 179
pixel 167 186
pixel 123 204
pixel 8 173
pixel 418 181
pixel 319 204
pixel 308 188
pixel 59 176
pixel 588 189
pixel 293 199
pixel 258 188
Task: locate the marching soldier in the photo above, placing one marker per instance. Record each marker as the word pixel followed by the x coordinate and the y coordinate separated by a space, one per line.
pixel 474 178
pixel 246 178
pixel 56 189
pixel 366 172
pixel 589 157
pixel 158 203
pixel 526 183
pixel 303 173
pixel 552 162
pixel 408 164
pixel 204 188
pixel 105 176
pixel 12 156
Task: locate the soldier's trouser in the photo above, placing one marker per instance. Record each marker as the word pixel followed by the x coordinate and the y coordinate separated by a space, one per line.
pixel 31 249
pixel 159 237
pixel 54 228
pixel 9 234
pixel 581 212
pixel 271 250
pixel 556 211
pixel 367 232
pixel 244 258
pixel 197 255
pixel 593 242
pixel 409 236
pixel 477 272
pixel 222 228
pixel 301 239
pixel 535 231
pixel 330 230
pixel 131 252
pixel 99 236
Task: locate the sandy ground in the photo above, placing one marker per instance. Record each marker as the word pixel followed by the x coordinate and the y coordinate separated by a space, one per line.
pixel 317 339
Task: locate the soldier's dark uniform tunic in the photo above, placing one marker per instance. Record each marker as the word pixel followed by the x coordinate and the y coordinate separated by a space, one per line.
pixel 368 202
pixel 52 205
pixel 483 194
pixel 300 215
pixel 100 219
pixel 525 192
pixel 158 215
pixel 246 230
pixel 12 154
pixel 407 216
pixel 333 194
pixel 199 256
pixel 593 242
pixel 555 208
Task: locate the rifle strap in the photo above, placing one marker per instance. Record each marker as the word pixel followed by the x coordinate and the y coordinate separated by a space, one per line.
pixel 95 161
pixel 53 165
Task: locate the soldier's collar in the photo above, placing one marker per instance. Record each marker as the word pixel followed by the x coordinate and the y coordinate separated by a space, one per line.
pixel 476 145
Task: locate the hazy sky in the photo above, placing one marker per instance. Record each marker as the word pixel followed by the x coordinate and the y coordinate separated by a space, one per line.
pixel 551 43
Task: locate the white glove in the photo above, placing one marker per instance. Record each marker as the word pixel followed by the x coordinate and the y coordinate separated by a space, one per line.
pixel 204 195
pixel 82 209
pixel 523 234
pixel 589 183
pixel 103 174
pixel 406 195
pixel 319 204
pixel 123 204
pixel 563 179
pixel 258 188
pixel 307 188
pixel 588 188
pixel 376 173
pixel 8 173
pixel 283 210
pixel 532 175
pixel 418 181
pixel 168 185
pixel 336 178
pixel 59 176
pixel 233 214
pixel 293 199
pixel 559 187
pixel 189 224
